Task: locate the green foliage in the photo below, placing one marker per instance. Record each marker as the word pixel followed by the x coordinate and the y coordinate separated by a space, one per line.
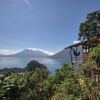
pixel 25 86
pixel 65 84
pixel 96 55
pixel 91 27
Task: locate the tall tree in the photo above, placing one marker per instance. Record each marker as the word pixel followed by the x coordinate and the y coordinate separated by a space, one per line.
pixel 91 27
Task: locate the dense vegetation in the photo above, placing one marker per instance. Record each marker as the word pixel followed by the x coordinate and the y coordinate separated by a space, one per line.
pixel 39 84
pixel 96 55
pixel 91 27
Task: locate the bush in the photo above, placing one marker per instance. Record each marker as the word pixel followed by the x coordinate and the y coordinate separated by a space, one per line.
pixel 96 55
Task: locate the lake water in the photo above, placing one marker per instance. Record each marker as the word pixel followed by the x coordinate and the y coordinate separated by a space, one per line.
pixel 52 64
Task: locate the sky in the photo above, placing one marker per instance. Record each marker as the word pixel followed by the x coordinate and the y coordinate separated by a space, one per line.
pixel 48 25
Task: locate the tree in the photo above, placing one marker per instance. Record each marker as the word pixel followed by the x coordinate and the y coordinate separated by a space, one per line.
pixel 96 55
pixel 65 84
pixel 91 27
pixel 34 84
pixel 11 92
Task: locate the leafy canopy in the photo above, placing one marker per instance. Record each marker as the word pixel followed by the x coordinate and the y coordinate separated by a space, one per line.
pixel 91 27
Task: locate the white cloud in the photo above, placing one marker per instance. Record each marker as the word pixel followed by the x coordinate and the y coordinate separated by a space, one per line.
pixel 7 52
pixel 27 3
pixel 75 42
pixel 45 51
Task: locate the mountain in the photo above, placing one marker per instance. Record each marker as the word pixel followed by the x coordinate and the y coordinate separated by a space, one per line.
pixel 2 55
pixel 29 53
pixel 60 55
pixel 65 54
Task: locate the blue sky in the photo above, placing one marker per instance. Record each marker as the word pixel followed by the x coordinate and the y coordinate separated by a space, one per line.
pixel 46 24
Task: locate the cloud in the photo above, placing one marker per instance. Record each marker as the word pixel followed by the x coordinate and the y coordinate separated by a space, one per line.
pixel 7 52
pixel 45 51
pixel 75 42
pixel 27 3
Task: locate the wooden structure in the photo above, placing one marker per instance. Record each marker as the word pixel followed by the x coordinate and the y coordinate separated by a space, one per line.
pixel 92 72
pixel 86 48
pixel 95 72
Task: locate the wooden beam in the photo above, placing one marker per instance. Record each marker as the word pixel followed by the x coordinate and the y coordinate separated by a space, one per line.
pixel 86 43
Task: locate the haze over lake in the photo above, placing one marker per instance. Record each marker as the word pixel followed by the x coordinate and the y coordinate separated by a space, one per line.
pixel 53 62
pixel 21 62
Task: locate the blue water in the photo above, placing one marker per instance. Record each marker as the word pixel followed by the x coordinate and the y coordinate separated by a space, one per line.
pixel 52 64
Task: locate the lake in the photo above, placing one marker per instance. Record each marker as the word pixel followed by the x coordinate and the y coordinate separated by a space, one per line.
pixel 52 64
